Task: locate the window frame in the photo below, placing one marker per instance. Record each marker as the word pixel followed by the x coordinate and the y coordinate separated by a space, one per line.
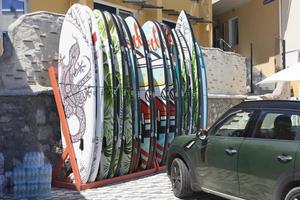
pixel 230 32
pixel 261 117
pixel 226 116
pixel 17 10
pixel 118 7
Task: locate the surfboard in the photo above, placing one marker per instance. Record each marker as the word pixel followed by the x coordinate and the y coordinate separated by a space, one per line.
pixel 183 25
pixel 203 91
pixel 170 92
pixel 161 88
pixel 77 84
pixel 176 72
pixel 115 46
pixel 146 93
pixel 135 100
pixel 189 82
pixel 184 85
pixel 109 130
pixel 90 18
pixel 123 165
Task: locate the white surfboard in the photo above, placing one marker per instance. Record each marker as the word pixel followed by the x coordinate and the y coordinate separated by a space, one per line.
pixel 90 18
pixel 77 84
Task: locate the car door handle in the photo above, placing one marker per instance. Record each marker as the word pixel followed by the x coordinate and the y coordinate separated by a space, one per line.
pixel 284 158
pixel 230 151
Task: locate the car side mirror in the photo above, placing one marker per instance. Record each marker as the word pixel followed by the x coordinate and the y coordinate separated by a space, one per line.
pixel 202 135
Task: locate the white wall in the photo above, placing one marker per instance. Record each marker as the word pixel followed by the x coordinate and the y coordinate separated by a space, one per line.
pixel 291 29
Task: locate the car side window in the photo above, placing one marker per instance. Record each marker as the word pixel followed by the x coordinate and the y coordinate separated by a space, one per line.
pixel 234 125
pixel 279 125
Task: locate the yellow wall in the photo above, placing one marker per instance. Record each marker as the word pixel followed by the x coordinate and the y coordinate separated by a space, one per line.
pixel 258 24
pixel 203 32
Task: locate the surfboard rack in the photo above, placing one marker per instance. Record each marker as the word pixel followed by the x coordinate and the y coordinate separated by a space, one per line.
pixel 68 152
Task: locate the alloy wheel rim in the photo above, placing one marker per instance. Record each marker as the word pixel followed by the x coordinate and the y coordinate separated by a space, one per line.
pixel 295 197
pixel 176 177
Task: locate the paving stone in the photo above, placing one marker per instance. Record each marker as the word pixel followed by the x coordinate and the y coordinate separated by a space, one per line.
pixel 156 187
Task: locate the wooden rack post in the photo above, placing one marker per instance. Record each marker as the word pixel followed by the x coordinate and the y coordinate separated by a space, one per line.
pixel 69 152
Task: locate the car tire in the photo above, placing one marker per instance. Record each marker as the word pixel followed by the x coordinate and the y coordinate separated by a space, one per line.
pixel 180 179
pixel 293 194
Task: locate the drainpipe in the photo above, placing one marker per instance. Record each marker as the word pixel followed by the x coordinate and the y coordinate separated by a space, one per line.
pixel 251 68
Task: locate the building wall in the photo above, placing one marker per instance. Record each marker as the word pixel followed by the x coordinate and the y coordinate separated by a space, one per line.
pixel 259 25
pixel 203 32
pixel 290 29
pixel 290 32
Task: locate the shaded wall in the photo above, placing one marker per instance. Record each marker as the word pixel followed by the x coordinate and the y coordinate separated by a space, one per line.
pixel 28 122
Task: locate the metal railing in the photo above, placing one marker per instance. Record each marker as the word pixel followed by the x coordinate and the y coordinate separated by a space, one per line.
pixel 222 44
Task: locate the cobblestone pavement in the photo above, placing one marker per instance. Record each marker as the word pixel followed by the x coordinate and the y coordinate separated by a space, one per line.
pixel 155 187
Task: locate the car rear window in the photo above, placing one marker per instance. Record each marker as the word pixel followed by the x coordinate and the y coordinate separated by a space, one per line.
pixel 279 125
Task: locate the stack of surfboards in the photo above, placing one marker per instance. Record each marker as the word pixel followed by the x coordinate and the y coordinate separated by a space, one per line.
pixel 128 90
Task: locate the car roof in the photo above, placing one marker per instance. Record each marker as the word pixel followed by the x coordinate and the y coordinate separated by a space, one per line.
pixel 269 104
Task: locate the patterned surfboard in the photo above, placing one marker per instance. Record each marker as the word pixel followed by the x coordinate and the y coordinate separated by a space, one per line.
pixel 127 133
pixel 177 79
pixel 115 46
pixel 171 92
pixel 109 110
pixel 184 85
pixel 135 100
pixel 189 82
pixel 160 81
pixel 183 25
pixel 146 93
pixel 77 84
pixel 90 18
pixel 203 91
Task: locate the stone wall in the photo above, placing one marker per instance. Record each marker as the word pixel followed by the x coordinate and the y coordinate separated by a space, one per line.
pixel 219 104
pixel 226 72
pixel 28 123
pixel 32 48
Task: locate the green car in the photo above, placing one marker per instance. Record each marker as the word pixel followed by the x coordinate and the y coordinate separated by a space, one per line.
pixel 251 152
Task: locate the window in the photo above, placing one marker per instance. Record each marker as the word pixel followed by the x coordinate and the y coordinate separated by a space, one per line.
pixel 13 6
pixel 123 12
pixel 234 125
pixel 103 7
pixel 279 125
pixel 233 32
pixel 10 11
pixel 219 36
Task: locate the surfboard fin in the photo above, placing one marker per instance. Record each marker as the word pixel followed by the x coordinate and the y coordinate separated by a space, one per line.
pixel 81 146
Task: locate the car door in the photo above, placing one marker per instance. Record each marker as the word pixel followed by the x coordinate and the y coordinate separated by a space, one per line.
pixel 266 160
pixel 221 153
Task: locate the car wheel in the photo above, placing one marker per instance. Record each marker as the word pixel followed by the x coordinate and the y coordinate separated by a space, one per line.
pixel 293 194
pixel 180 179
